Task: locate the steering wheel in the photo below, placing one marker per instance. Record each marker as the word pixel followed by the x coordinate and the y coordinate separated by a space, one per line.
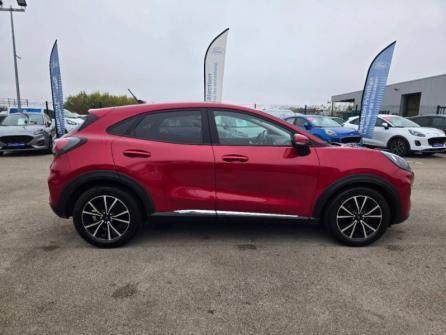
pixel 261 138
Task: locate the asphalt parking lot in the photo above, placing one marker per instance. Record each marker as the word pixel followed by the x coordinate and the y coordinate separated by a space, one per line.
pixel 205 277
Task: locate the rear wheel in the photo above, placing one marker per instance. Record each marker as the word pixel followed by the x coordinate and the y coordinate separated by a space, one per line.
pixel 358 216
pixel 399 146
pixel 107 217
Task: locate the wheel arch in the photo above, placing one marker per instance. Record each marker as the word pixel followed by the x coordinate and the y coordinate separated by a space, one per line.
pixel 102 178
pixel 398 136
pixel 363 180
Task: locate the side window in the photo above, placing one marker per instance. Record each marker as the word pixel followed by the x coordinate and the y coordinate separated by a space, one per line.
pixel 423 121
pixel 439 122
pixel 183 127
pixel 355 121
pixel 291 120
pixel 301 122
pixel 237 128
pixel 379 122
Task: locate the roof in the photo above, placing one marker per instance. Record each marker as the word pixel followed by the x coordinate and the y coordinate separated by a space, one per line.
pixel 389 85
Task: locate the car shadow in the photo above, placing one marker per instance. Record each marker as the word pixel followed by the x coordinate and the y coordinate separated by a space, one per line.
pixel 236 231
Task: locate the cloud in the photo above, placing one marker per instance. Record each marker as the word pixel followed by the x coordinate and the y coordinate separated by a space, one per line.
pixel 285 52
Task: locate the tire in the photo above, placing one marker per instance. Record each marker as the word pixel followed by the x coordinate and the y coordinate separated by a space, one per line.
pixel 399 146
pixel 107 230
pixel 343 212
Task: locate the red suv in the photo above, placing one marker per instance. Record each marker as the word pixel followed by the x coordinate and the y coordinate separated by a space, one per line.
pixel 125 165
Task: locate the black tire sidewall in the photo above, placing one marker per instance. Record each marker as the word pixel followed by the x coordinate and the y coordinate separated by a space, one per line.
pixel 406 145
pixel 332 209
pixel 126 198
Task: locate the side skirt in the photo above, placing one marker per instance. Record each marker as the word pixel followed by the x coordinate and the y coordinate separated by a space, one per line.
pixel 203 213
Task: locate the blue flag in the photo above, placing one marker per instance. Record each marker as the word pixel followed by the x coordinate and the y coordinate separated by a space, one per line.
pixel 56 90
pixel 373 93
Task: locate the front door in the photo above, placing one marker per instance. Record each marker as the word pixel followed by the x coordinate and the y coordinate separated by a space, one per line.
pixel 257 169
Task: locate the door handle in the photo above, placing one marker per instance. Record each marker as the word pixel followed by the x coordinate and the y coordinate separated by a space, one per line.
pixel 235 158
pixel 136 153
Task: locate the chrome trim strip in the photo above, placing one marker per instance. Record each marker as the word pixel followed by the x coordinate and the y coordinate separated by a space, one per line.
pixel 255 214
pixel 193 212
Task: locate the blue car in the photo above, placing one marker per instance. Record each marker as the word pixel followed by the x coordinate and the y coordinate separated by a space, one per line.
pixel 325 128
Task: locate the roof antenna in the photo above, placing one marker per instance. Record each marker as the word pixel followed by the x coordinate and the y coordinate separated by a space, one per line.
pixel 136 99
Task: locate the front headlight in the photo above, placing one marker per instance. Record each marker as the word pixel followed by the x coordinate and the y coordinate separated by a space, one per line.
pixel 416 133
pixel 38 132
pixel 72 123
pixel 330 132
pixel 397 160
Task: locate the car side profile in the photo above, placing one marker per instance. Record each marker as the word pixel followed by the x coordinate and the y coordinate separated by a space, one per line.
pixel 126 165
pixel 402 136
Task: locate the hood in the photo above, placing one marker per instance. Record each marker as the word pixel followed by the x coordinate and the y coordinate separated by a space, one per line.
pixel 344 131
pixel 19 130
pixel 429 132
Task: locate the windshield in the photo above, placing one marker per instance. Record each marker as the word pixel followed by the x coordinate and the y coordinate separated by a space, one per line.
pixel 322 121
pixel 22 120
pixel 399 122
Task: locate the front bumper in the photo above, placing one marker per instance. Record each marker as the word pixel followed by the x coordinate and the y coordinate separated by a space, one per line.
pixel 433 144
pixel 24 143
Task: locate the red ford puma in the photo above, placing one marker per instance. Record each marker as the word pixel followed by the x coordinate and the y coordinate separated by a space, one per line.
pixel 127 164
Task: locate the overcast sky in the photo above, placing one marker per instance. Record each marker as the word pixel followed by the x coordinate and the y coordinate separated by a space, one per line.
pixel 285 52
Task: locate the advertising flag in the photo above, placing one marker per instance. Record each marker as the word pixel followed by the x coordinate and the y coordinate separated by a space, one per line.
pixel 373 93
pixel 56 90
pixel 214 67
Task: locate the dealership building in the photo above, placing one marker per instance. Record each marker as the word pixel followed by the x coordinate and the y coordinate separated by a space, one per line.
pixel 408 98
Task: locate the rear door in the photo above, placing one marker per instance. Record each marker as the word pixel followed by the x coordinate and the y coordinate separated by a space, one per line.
pixel 169 153
pixel 257 169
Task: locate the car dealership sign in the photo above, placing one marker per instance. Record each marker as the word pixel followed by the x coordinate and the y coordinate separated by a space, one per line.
pixel 214 67
pixel 373 93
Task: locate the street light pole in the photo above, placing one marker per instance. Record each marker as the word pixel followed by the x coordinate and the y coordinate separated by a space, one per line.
pixel 17 85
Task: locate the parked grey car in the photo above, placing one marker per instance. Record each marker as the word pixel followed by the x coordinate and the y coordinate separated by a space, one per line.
pixel 434 120
pixel 26 132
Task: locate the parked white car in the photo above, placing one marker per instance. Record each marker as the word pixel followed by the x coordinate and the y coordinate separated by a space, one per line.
pixel 402 136
pixel 72 120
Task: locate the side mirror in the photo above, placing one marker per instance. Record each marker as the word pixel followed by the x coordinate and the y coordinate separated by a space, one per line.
pixel 385 125
pixel 300 141
pixel 302 144
pixel 307 126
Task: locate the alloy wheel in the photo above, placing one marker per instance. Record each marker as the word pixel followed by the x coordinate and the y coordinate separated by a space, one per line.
pixel 398 147
pixel 359 217
pixel 105 217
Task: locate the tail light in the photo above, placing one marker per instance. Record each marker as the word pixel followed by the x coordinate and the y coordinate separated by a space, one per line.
pixel 65 144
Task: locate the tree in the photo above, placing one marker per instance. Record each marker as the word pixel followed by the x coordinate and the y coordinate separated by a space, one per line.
pixel 82 102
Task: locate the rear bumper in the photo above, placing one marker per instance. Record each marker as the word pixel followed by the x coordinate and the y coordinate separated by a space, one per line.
pixel 57 211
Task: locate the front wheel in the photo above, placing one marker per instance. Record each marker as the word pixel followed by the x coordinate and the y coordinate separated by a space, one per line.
pixel 358 216
pixel 106 216
pixel 399 146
